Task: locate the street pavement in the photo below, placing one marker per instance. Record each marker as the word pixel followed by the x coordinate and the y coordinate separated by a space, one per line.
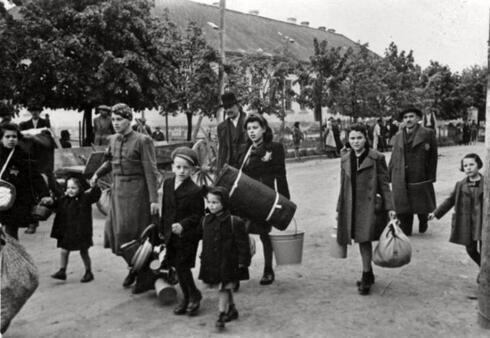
pixel 432 296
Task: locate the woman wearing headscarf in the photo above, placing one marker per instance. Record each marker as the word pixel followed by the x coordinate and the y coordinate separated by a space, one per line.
pixel 132 162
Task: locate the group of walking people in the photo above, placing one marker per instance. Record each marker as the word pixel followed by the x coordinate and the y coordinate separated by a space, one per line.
pixel 189 213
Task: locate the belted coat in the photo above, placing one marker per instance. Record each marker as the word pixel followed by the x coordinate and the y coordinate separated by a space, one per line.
pixel 413 172
pixel 371 180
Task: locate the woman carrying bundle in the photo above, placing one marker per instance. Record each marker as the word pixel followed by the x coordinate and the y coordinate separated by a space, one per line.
pixel 364 200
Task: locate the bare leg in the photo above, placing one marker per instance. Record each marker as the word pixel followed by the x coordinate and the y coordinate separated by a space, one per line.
pixel 65 254
pixel 223 301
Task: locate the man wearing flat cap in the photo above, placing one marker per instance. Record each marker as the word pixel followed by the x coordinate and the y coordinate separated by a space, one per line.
pixel 412 168
pixel 232 137
pixel 135 181
pixel 102 125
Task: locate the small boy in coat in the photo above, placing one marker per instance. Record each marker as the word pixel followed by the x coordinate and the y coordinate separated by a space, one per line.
pixel 225 253
pixel 72 225
pixel 182 209
pixel 467 199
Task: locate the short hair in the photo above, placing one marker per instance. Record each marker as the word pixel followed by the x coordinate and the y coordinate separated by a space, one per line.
pixel 9 126
pixel 474 156
pixel 222 194
pixel 262 122
pixel 361 128
pixel 79 181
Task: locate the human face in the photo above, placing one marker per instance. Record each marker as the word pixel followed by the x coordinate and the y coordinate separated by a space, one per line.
pixel 72 189
pixel 410 119
pixel 120 124
pixel 10 139
pixel 35 114
pixel 232 112
pixel 357 140
pixel 181 168
pixel 255 131
pixel 104 113
pixel 470 167
pixel 213 203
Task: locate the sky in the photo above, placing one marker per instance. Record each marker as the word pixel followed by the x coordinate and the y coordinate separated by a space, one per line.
pixel 453 32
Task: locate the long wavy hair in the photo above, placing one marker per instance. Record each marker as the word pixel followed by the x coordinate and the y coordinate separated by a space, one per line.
pixel 361 128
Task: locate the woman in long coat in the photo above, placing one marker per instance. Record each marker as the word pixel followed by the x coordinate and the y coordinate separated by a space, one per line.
pixel 265 162
pixel 364 200
pixel 134 197
pixel 21 171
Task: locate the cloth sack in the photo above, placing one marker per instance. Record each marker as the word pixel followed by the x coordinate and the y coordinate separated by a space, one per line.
pixel 393 249
pixel 104 202
pixel 19 279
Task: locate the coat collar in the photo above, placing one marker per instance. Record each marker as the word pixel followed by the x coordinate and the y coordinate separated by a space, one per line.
pixel 466 189
pixel 367 163
pixel 419 136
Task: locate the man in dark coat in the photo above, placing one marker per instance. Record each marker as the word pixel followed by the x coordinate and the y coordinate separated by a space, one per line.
pixel 43 153
pixel 232 137
pixel 412 168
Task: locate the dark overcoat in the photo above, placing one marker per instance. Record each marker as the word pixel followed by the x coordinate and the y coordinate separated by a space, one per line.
pixel 225 247
pixel 225 146
pixel 185 206
pixel 72 225
pixel 271 172
pixel 412 178
pixel 21 172
pixel 463 231
pixel 372 179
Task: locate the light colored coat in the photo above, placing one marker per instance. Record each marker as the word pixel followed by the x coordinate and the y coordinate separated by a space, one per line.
pixel 372 179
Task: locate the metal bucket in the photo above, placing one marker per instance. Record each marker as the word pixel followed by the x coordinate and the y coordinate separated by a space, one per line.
pixel 288 246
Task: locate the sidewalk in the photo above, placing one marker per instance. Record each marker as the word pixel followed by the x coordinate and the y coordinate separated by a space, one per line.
pixel 430 297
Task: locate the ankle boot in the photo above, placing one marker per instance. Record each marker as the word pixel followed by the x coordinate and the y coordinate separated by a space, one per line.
pixel 232 313
pixel 60 274
pixel 88 277
pixel 364 285
pixel 220 323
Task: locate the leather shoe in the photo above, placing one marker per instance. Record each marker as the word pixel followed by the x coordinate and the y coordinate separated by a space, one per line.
pixel 129 280
pixel 60 274
pixel 423 227
pixel 193 308
pixel 88 277
pixel 267 278
pixel 232 313
pixel 220 323
pixel 181 309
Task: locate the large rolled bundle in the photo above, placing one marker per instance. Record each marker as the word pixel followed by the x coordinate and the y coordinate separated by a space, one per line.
pixel 255 200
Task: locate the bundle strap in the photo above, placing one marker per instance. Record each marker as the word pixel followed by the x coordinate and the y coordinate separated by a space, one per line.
pixel 235 184
pixel 274 207
pixel 6 162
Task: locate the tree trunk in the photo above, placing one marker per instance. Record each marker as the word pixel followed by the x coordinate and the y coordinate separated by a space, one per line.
pixel 88 137
pixel 197 127
pixel 189 126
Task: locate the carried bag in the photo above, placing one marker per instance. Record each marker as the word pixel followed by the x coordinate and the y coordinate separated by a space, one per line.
pixel 19 279
pixel 251 240
pixel 7 189
pixel 394 249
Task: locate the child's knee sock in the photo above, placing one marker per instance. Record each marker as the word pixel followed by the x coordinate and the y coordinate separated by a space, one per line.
pixel 223 304
pixel 230 297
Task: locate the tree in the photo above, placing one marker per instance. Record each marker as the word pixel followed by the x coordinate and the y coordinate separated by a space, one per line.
pixel 82 53
pixel 261 82
pixel 195 86
pixel 320 81
pixel 473 89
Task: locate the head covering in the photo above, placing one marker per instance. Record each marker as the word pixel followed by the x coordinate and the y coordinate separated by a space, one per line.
pixel 223 194
pixel 410 109
pixel 228 100
pixel 123 110
pixel 187 154
pixel 34 107
pixel 102 107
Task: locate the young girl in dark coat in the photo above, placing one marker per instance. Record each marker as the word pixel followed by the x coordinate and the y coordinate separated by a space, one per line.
pixel 467 199
pixel 264 162
pixel 182 209
pixel 225 253
pixel 72 225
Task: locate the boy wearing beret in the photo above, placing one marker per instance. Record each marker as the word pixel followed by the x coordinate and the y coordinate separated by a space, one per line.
pixel 182 209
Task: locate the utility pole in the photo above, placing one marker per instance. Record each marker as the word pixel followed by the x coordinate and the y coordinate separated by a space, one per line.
pixel 221 73
pixel 484 285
